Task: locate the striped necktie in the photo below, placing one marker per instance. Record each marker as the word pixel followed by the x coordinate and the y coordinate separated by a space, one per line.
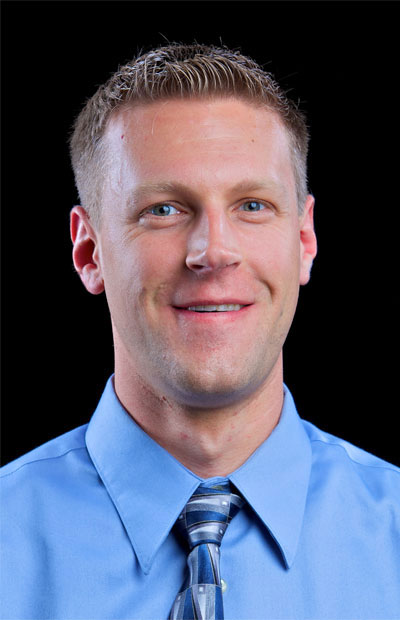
pixel 203 523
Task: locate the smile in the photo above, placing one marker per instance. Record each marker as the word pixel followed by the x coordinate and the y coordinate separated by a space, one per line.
pixel 219 308
pixel 213 313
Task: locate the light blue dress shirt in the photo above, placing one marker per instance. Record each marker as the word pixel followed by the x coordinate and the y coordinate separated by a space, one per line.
pixel 87 524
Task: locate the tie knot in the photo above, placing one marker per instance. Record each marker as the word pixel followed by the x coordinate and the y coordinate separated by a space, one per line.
pixel 208 513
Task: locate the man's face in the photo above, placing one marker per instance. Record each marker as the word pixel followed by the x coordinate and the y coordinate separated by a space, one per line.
pixel 200 211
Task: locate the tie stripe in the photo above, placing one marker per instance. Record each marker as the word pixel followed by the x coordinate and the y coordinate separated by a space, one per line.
pixel 203 523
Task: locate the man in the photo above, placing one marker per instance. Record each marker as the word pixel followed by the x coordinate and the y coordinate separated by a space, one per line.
pixel 196 222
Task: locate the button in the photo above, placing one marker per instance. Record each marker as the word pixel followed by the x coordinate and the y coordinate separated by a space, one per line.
pixel 224 586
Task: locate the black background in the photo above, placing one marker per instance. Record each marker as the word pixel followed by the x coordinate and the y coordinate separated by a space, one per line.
pixel 341 60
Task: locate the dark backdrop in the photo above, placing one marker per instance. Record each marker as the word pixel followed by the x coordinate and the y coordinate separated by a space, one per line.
pixel 340 60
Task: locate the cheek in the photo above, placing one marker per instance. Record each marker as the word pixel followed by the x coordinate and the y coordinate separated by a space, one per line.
pixel 147 272
pixel 276 257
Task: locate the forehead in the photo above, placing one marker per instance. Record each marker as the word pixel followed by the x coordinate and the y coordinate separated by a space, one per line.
pixel 195 119
pixel 193 139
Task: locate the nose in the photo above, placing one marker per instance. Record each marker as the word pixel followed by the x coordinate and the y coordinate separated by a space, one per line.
pixel 212 244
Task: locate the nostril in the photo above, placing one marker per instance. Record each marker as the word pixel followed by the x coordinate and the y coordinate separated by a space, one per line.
pixel 212 259
pixel 197 267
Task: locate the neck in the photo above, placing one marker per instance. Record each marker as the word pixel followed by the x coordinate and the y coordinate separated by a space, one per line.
pixel 209 442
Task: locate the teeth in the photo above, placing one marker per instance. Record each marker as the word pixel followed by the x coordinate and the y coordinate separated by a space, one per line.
pixel 221 308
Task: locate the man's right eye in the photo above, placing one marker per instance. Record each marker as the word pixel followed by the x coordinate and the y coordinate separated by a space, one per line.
pixel 163 210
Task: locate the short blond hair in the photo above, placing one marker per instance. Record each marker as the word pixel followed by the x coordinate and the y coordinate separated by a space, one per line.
pixel 179 71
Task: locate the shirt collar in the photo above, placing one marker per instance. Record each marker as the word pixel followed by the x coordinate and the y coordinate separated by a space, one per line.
pixel 275 479
pixel 149 487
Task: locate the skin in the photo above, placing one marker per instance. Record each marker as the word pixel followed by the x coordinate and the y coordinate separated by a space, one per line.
pixel 199 207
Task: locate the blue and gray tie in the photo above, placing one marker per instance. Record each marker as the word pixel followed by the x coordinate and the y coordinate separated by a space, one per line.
pixel 203 523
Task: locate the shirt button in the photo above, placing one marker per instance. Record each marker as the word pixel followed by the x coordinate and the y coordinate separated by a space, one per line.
pixel 224 586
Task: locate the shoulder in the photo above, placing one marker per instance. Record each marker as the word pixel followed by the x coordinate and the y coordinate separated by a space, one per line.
pixel 41 489
pixel 44 519
pixel 53 457
pixel 348 466
pixel 348 450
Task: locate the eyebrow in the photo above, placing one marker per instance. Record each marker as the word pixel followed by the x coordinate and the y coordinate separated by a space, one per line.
pixel 142 191
pixel 255 185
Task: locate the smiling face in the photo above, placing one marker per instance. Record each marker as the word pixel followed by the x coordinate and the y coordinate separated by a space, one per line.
pixel 201 248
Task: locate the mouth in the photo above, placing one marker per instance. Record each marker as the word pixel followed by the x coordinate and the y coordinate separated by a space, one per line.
pixel 207 310
pixel 215 308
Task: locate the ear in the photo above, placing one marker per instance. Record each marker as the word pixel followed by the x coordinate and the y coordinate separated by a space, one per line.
pixel 308 240
pixel 85 252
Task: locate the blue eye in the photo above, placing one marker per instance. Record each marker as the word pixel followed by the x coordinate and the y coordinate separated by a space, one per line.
pixel 252 206
pixel 163 210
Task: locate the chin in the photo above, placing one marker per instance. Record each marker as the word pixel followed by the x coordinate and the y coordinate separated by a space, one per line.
pixel 214 389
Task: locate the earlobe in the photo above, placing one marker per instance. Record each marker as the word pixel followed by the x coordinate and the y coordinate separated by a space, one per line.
pixel 308 240
pixel 85 253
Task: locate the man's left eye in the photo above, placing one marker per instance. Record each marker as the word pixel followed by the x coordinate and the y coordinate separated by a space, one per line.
pixel 252 206
pixel 163 210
